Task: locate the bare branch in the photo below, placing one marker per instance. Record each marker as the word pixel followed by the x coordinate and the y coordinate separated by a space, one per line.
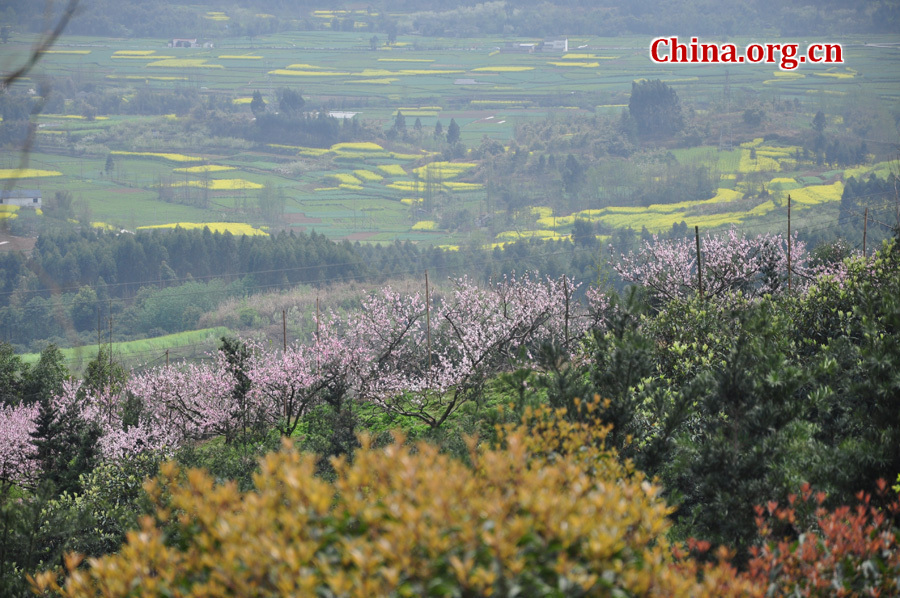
pixel 41 47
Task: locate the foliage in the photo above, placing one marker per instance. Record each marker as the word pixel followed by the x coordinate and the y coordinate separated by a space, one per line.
pixel 848 551
pixel 757 395
pixel 547 511
pixel 655 108
pixel 730 263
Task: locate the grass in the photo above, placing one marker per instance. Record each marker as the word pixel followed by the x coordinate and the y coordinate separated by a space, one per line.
pixel 150 350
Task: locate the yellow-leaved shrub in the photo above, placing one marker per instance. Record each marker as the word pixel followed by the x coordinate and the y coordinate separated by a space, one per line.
pixel 546 511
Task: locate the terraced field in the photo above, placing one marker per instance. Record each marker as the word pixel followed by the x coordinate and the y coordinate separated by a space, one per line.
pixel 372 193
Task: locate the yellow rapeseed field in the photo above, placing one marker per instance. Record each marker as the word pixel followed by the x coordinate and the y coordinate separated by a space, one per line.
pixel 71 116
pixel 235 228
pixel 204 168
pixel 424 225
pixel 406 60
pixel 458 186
pixel 186 63
pixel 429 71
pixel 291 73
pixel 585 65
pixel 26 173
pixel 144 57
pixel 503 69
pixel 392 169
pixel 529 234
pixel 357 146
pixel 760 164
pixel 165 156
pixel 220 184
pixel 443 170
pixel 817 194
pixel 368 175
pixel 343 177
pixel 404 185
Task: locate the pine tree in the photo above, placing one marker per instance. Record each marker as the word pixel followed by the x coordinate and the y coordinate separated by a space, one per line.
pixel 452 132
pixel 257 104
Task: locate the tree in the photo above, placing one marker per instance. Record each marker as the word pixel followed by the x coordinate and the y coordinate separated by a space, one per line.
pixel 667 268
pixel 65 443
pixel 373 43
pixel 438 130
pixel 819 122
pixel 583 233
pixel 452 132
pixel 104 374
pixel 533 512
pixel 655 109
pixel 45 379
pixel 108 167
pixel 400 124
pixel 271 202
pixel 257 104
pixel 290 102
pixel 573 174
pixel 12 374
pixel 84 309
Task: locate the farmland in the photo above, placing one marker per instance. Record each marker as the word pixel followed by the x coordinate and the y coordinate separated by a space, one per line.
pixel 382 190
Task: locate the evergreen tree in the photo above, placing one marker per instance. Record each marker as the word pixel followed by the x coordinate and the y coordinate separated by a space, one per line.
pixel 452 132
pixel 46 378
pixel 12 373
pixel 257 104
pixel 654 108
pixel 400 124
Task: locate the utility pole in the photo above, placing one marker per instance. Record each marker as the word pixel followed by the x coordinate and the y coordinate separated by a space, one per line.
pixel 699 270
pixel 428 323
pixel 865 229
pixel 789 244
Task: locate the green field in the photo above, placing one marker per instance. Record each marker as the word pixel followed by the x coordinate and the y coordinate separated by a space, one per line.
pixel 488 92
pixel 147 352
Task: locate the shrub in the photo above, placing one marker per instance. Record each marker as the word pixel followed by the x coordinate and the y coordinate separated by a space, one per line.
pixel 844 552
pixel 548 511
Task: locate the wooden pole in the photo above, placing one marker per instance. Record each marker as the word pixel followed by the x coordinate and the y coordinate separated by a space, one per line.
pixel 865 229
pixel 284 328
pixel 167 359
pixel 566 322
pixel 789 245
pixel 317 319
pixel 110 351
pixel 428 320
pixel 699 271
